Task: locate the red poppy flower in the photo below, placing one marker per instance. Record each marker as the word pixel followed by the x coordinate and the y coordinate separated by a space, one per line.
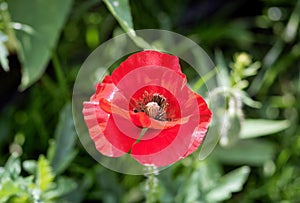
pixel 145 108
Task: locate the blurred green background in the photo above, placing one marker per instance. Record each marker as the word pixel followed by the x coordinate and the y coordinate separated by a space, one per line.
pixel 256 49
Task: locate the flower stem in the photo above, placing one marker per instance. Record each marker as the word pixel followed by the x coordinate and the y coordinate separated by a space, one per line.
pixel 144 130
pixel 151 185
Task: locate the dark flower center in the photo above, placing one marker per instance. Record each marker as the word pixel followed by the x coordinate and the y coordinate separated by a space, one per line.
pixel 154 105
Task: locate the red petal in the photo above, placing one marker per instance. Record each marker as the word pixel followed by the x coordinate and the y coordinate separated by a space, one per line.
pixel 95 119
pixel 104 89
pixel 105 105
pixel 99 121
pixel 201 130
pixel 117 138
pixel 173 144
pixel 166 148
pixel 160 140
pixel 146 58
pixel 140 119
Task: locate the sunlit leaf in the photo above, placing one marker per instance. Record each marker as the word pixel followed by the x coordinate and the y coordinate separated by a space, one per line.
pixel 35 48
pixel 293 24
pixel 209 171
pixel 247 100
pixel 261 127
pixel 8 189
pixel 202 179
pixel 206 183
pixel 232 119
pixel 30 166
pixel 120 9
pixel 226 122
pixel 44 177
pixel 229 183
pixel 252 69
pixel 3 52
pixel 13 166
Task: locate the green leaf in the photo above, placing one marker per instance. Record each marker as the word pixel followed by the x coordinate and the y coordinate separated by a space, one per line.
pixel 3 52
pixel 209 172
pixel 46 19
pixel 13 166
pixel 249 101
pixel 206 183
pixel 13 187
pixel 61 151
pixel 44 177
pixel 231 182
pixel 251 152
pixel 231 125
pixel 30 166
pixel 259 127
pixel 292 26
pixel 63 186
pixel 222 74
pixel 252 69
pixel 193 186
pixel 8 189
pixel 121 11
pixel 204 79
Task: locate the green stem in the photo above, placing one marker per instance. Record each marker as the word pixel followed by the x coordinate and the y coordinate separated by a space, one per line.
pixel 12 43
pixel 197 86
pixel 151 185
pixel 144 130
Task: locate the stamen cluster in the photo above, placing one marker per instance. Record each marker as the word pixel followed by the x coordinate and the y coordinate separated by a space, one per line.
pixel 154 105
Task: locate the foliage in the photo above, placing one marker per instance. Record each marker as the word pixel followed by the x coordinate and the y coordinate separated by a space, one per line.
pixel 39 186
pixel 256 49
pixel 41 38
